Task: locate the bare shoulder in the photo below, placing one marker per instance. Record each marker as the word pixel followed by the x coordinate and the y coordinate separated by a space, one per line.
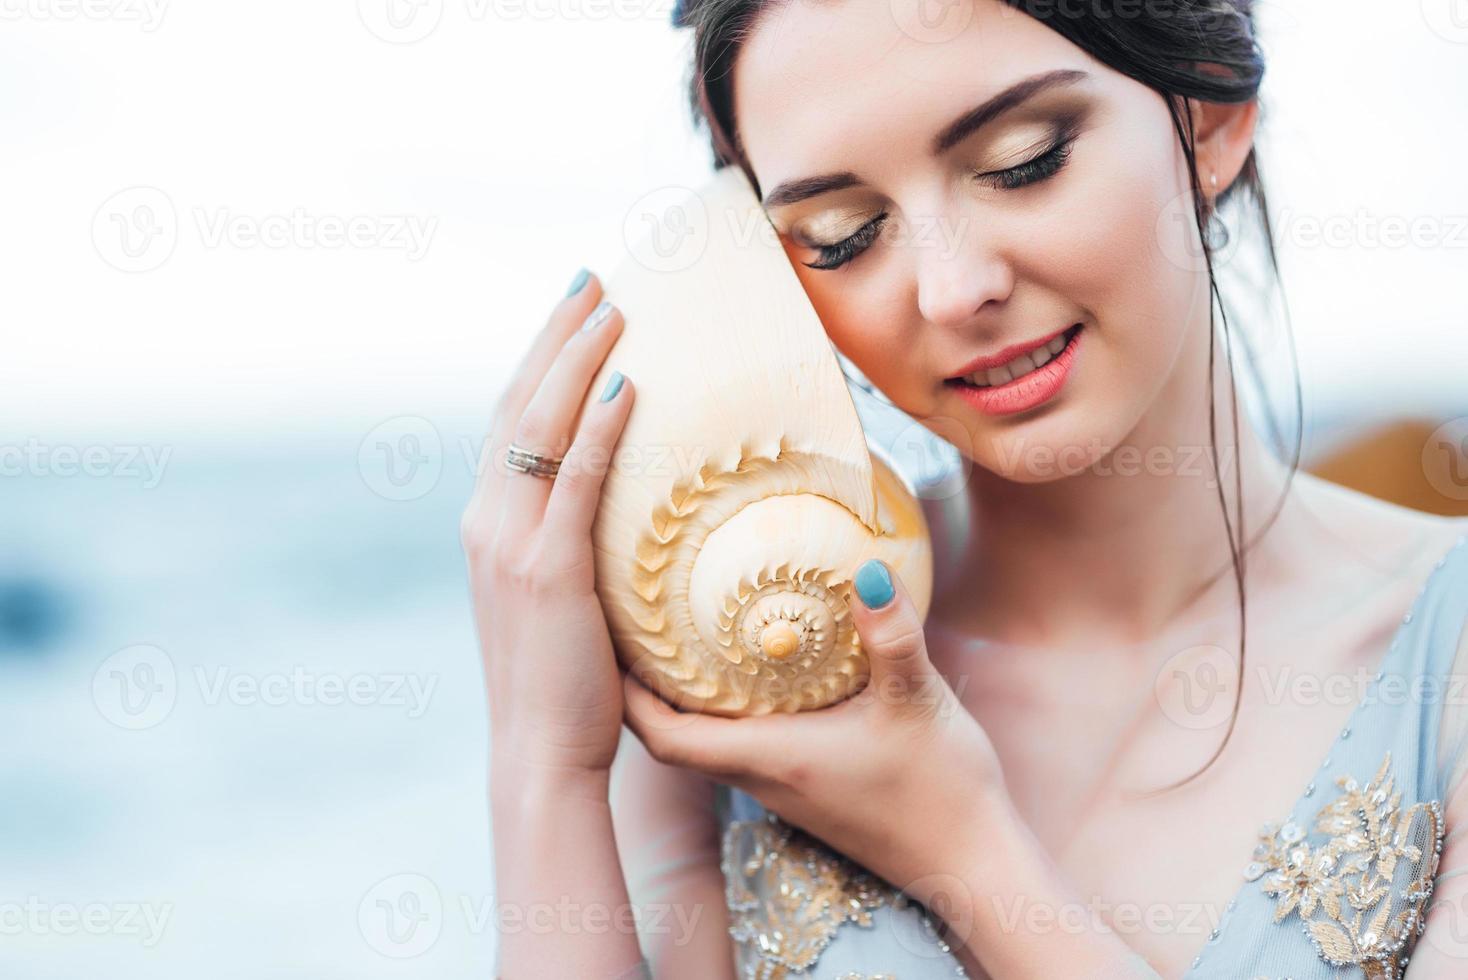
pixel 1386 537
pixel 1347 564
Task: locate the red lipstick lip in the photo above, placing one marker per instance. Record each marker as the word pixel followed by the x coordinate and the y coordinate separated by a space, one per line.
pixel 1022 394
pixel 1008 354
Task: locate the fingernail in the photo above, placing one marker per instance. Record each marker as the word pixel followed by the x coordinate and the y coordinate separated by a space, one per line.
pixel 580 281
pixel 614 385
pixel 597 317
pixel 874 584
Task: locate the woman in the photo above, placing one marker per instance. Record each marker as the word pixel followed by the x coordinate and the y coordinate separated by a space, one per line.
pixel 1147 637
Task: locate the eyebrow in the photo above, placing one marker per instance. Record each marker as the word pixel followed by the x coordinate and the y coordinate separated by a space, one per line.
pixel 794 191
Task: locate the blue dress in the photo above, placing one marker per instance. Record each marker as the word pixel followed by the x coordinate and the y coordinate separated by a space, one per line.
pixel 1336 888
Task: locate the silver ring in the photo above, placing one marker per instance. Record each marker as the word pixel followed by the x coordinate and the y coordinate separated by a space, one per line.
pixel 524 461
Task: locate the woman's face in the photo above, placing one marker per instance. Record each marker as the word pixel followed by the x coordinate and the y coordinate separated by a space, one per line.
pixel 1069 208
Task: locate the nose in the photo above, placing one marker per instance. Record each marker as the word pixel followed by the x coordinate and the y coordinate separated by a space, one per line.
pixel 959 271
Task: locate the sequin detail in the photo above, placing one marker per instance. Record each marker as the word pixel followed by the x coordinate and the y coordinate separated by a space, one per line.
pixel 788 894
pixel 1360 895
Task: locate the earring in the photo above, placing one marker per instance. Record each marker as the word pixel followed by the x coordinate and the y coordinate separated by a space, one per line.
pixel 1214 178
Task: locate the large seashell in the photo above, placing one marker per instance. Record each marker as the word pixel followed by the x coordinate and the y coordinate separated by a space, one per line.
pixel 742 497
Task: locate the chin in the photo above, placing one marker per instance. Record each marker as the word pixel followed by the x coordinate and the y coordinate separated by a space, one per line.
pixel 1059 444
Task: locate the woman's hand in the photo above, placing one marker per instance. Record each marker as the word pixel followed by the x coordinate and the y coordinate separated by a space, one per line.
pixel 893 777
pixel 902 779
pixel 555 689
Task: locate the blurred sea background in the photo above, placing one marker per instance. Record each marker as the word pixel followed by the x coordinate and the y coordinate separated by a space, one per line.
pixel 242 729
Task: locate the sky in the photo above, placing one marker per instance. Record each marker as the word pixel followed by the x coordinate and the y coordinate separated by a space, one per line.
pixel 252 220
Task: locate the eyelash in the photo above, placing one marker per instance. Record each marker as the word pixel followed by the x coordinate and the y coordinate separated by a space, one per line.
pixel 1047 164
pixel 835 256
pixel 1042 167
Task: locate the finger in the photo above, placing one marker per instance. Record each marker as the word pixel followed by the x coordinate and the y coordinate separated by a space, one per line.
pixel 547 424
pixel 888 624
pixel 720 747
pixel 563 322
pixel 571 510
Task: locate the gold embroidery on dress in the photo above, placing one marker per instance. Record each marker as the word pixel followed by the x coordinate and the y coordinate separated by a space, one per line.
pixel 788 894
pixel 1343 889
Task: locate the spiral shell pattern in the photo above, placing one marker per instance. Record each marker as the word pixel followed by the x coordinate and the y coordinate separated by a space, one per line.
pixel 724 625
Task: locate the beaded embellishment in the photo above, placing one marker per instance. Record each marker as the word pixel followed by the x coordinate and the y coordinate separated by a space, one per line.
pixel 788 894
pixel 1360 896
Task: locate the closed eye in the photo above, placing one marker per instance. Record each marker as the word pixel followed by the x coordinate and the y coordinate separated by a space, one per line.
pixel 837 255
pixel 1042 167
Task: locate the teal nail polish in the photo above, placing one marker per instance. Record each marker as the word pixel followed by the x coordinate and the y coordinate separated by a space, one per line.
pixel 578 283
pixel 614 385
pixel 874 584
pixel 597 317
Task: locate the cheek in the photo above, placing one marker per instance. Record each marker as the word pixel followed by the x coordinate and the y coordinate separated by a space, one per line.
pixel 1120 248
pixel 865 318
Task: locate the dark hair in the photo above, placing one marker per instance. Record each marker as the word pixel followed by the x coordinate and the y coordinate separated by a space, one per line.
pixel 1203 50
